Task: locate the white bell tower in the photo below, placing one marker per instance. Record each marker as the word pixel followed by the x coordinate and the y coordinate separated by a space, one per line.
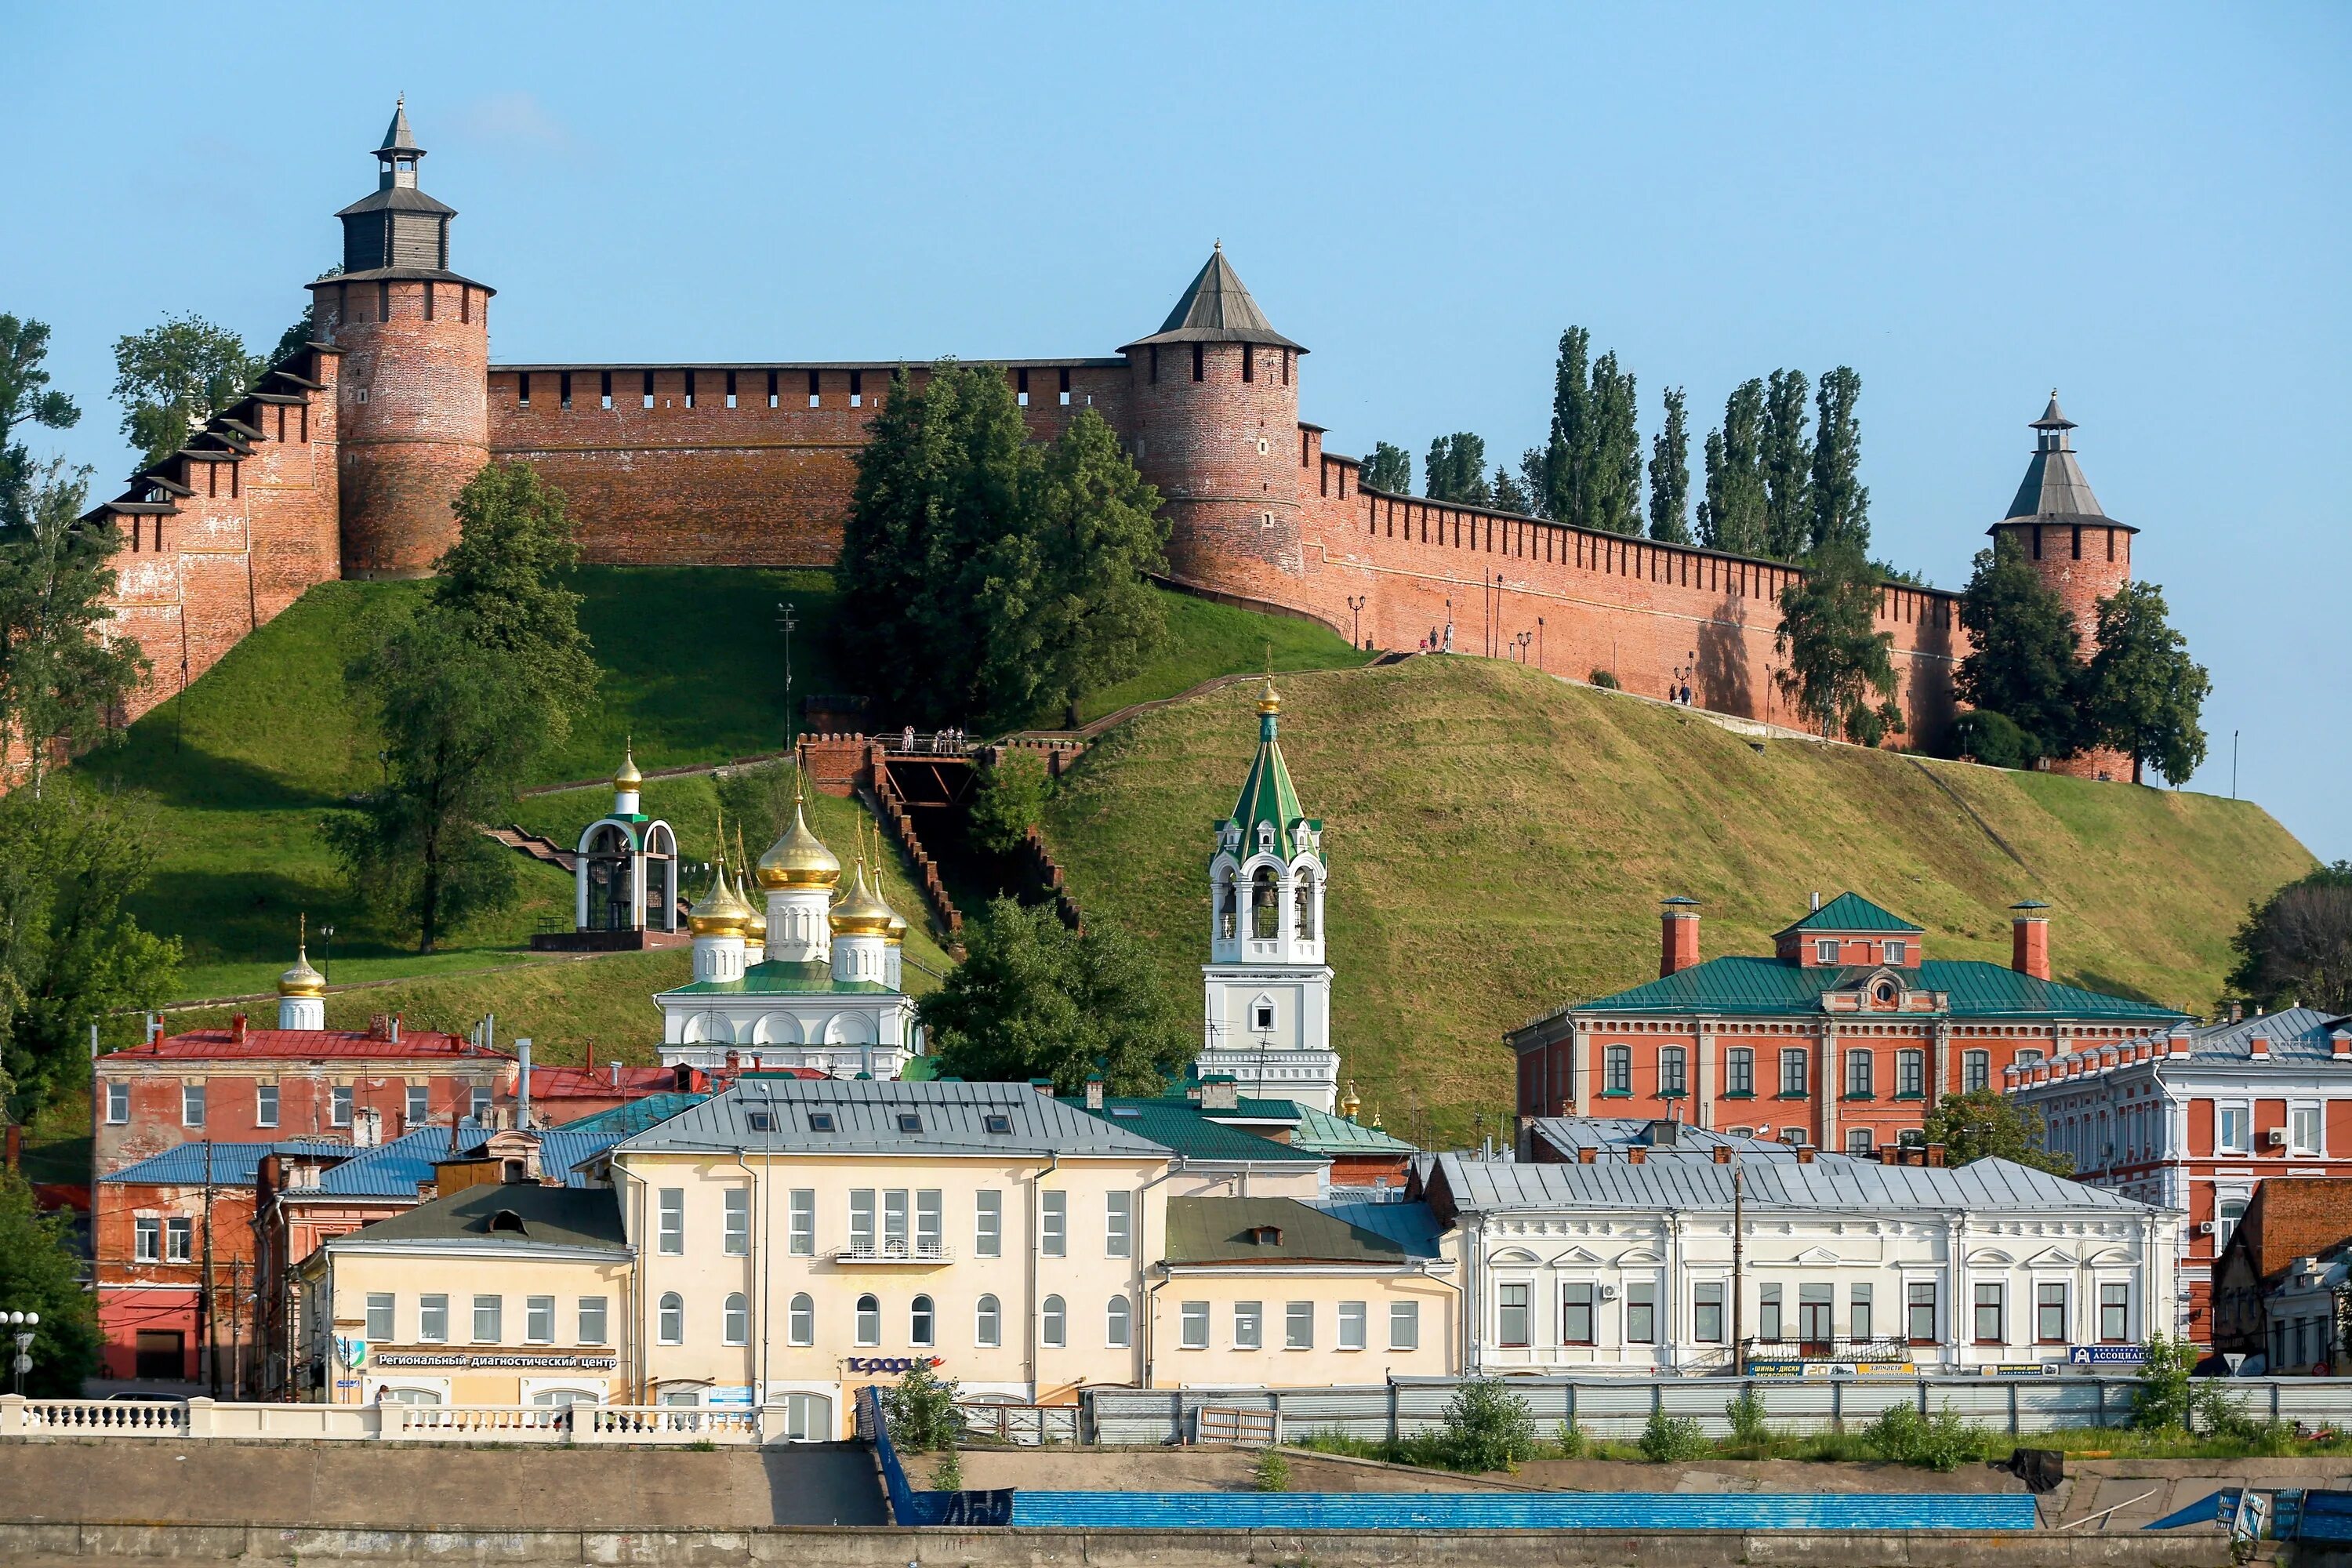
pixel 1267 1005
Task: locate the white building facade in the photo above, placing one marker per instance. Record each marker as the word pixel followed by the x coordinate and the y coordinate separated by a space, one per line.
pixel 1267 1003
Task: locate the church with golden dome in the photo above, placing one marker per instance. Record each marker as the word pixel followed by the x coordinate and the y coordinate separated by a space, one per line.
pixel 793 968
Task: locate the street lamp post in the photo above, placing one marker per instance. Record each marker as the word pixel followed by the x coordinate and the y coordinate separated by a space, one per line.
pixel 327 932
pixel 1356 602
pixel 788 618
pixel 23 1323
pixel 1539 648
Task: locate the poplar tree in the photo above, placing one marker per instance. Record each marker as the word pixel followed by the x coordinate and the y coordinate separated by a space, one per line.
pixel 1566 461
pixel 1840 500
pixel 1612 487
pixel 1457 471
pixel 1388 470
pixel 1732 517
pixel 1841 672
pixel 2143 694
pixel 1670 474
pixel 1788 461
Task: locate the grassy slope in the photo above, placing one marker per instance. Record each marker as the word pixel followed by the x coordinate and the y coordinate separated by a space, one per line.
pixel 1498 841
pixel 1209 639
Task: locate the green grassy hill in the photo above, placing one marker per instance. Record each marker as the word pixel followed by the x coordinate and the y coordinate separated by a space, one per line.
pixel 1499 841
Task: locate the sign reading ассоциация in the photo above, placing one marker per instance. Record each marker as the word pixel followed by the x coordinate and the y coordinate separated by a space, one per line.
pixel 460 1361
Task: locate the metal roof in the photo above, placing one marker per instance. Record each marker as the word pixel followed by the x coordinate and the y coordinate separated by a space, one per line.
pixel 1181 1125
pixel 1768 986
pixel 232 1164
pixel 1827 1183
pixel 1328 1135
pixel 1850 911
pixel 1216 308
pixel 2294 1032
pixel 1222 1230
pixel 305 1045
pixel 635 1117
pixel 777 977
pixel 2053 489
pixel 1410 1224
pixel 951 1119
pixel 1616 1133
pixel 542 1216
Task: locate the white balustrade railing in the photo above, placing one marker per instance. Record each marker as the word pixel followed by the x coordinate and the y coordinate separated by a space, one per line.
pixel 199 1418
pixel 664 1424
pixel 98 1417
pixel 494 1423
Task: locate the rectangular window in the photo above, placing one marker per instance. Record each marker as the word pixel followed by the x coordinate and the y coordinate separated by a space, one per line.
pixel 147 1243
pixel 523 394
pixel 1792 1073
pixel 1118 1224
pixel 731 389
pixel 1298 1326
pixel 2026 1058
pixel 1249 1325
pixel 1987 1326
pixel 1575 1313
pixel 1816 1317
pixel 1194 1316
pixel 1199 364
pixel 2050 1313
pixel 815 397
pixel 2114 1313
pixel 736 1233
pixel 478 1105
pixel 1858 1143
pixel 1859 1314
pixel 1021 387
pixel 670 1231
pixel 539 1319
pixel 490 1320
pixel 118 1103
pixel 591 1319
pixel 380 1316
pixel 1673 1070
pixel 1976 1071
pixel 563 391
pixel 861 1223
pixel 179 1240
pixel 1352 1325
pixel 1911 1073
pixel 339 1105
pixel 1404 1325
pixel 2233 1130
pixel 689 389
pixel 1706 1312
pixel 1618 1069
pixel 857 389
pixel 930 1223
pixel 1894 952
pixel 604 388
pixel 192 1105
pixel 1740 1071
pixel 1919 1307
pixel 800 1227
pixel 1054 1224
pixel 1858 1075
pixel 1768 1312
pixel 264 1105
pixel 1825 951
pixel 1512 1324
pixel 433 1320
pixel 1642 1314
pixel 1066 387
pixel 772 389
pixel 1249 362
pixel 988 1224
pixel 894 1222
pixel 649 393
pixel 2302 1131
pixel 420 1105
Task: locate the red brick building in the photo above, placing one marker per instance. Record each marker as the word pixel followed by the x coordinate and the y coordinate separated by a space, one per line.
pixel 2288 1217
pixel 1842 1038
pixel 343 459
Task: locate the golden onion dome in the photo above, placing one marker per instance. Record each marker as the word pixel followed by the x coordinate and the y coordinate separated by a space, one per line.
pixel 1350 1105
pixel 1269 701
pixel 798 859
pixel 862 912
pixel 303 980
pixel 628 777
pixel 719 911
pixel 897 936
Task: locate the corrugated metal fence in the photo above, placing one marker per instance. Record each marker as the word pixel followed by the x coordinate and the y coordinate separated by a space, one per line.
pixel 1620 1408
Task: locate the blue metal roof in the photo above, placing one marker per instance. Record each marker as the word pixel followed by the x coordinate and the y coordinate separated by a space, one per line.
pixel 2299 1032
pixel 232 1164
pixel 636 1115
pixel 393 1170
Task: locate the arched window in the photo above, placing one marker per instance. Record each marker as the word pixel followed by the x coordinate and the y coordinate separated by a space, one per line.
pixel 1306 921
pixel 1054 1331
pixel 735 1325
pixel 988 1323
pixel 920 1322
pixel 1229 916
pixel 800 1322
pixel 670 1328
pixel 869 1321
pixel 1117 1324
pixel 1266 905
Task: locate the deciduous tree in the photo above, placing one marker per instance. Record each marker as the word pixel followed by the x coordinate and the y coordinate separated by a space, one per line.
pixel 1732 517
pixel 1388 470
pixel 24 399
pixel 175 375
pixel 63 673
pixel 503 584
pixel 2023 660
pixel 1457 471
pixel 1670 474
pixel 40 1270
pixel 2143 694
pixel 1984 1124
pixel 2296 946
pixel 1840 672
pixel 1840 500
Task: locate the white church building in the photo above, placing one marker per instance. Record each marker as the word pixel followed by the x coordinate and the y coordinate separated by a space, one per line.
pixel 1267 990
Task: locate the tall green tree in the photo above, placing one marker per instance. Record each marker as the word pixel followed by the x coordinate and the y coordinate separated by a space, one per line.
pixel 72 858
pixel 1839 671
pixel 1034 999
pixel 985 578
pixel 1567 453
pixel 1457 471
pixel 1985 1125
pixel 1511 495
pixel 40 1271
pixel 2143 694
pixel 2023 661
pixel 1535 482
pixel 1788 463
pixel 1732 517
pixel 1612 483
pixel 173 377
pixel 1670 474
pixel 1010 801
pixel 1388 470
pixel 24 399
pixel 502 583
pixel 1840 500
pixel 63 674
pixel 2296 946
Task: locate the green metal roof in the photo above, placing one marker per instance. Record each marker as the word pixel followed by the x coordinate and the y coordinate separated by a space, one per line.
pixel 1181 1125
pixel 1328 1135
pixel 1220 1230
pixel 778 978
pixel 1267 795
pixel 1850 911
pixel 1768 986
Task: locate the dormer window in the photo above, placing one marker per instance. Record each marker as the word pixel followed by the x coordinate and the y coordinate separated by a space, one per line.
pixel 1885 993
pixel 505 1222
pixel 820 1120
pixel 1266 1236
pixel 1825 951
pixel 909 1121
pixel 998 1124
pixel 1266 837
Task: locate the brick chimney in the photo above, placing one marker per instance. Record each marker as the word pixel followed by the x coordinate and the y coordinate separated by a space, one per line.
pixel 237 1029
pixel 1094 1091
pixel 1677 936
pixel 1587 1154
pixel 2339 1045
pixel 1723 1153
pixel 1804 1153
pixel 1637 1156
pixel 1934 1154
pixel 2029 939
pixel 2259 1047
pixel 1220 1092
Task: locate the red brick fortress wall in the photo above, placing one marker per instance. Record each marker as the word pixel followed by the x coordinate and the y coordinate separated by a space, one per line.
pixel 1215 425
pixel 745 464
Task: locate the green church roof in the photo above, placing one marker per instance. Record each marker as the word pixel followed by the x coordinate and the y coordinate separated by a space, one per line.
pixel 1850 911
pixel 778 978
pixel 1767 987
pixel 1268 798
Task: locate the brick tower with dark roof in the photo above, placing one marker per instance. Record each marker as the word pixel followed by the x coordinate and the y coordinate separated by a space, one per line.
pixel 415 401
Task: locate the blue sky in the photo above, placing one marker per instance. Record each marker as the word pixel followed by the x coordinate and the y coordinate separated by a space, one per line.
pixel 2144 207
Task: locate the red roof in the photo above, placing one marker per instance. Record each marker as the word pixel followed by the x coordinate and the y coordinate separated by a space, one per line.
pixel 309 1044
pixel 592 1083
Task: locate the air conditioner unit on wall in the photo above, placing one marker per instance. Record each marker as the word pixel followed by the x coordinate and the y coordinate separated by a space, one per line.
pixel 2276 1138
pixel 2204 1227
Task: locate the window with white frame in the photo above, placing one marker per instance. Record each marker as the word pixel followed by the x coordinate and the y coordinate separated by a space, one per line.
pixel 1911 1073
pixel 478 1106
pixel 192 1105
pixel 179 1240
pixel 1642 1313
pixel 419 1107
pixel 930 1222
pixel 670 1227
pixel 1860 1079
pixel 490 1320
pixel 861 1222
pixel 988 1323
pixel 922 1322
pixel 1249 1325
pixel 801 1223
pixel 800 1321
pixel 2226 1216
pixel 1894 952
pixel 1673 1070
pixel 433 1320
pixel 1976 1071
pixel 1054 1224
pixel 1826 949
pixel 988 1224
pixel 147 1239
pixel 670 1320
pixel 869 1320
pixel 264 1105
pixel 1192 1319
pixel 2233 1127
pixel 1352 1325
pixel 1792 1072
pixel 592 1320
pixel 381 1316
pixel 118 1103
pixel 736 1229
pixel 1053 1324
pixel 1119 1223
pixel 539 1319
pixel 2305 1128
pixel 1118 1323
pixel 2028 1057
pixel 1404 1325
pixel 1298 1326
pixel 1617 1070
pixel 339 1099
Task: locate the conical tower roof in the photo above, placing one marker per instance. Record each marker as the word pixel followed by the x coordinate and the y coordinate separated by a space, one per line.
pixel 2054 490
pixel 1269 799
pixel 1216 308
pixel 397 137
